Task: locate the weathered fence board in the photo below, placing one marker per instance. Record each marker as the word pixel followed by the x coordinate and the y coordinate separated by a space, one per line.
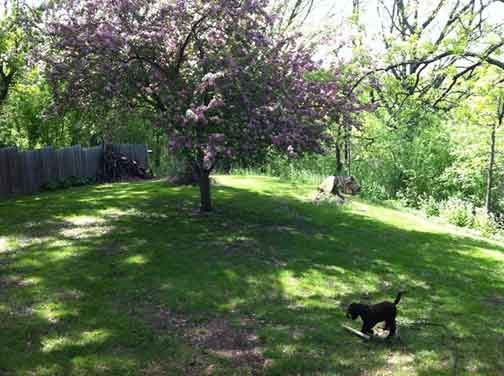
pixel 48 160
pixel 5 186
pixel 68 161
pixel 94 161
pixel 15 168
pixel 29 171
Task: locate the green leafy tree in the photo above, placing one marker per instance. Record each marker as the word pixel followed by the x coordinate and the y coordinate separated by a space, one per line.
pixel 13 46
pixel 431 54
pixel 430 48
pixel 480 122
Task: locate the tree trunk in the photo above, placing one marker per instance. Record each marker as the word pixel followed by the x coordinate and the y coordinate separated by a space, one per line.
pixel 348 151
pixel 157 152
pixel 205 194
pixel 339 164
pixel 5 85
pixel 491 164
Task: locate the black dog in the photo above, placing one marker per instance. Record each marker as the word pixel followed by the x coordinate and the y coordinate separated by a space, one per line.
pixel 375 313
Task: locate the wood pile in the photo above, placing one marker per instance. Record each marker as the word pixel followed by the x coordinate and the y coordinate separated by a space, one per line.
pixel 118 166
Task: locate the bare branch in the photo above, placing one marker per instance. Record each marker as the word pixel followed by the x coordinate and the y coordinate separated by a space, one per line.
pixel 433 15
pixel 455 80
pixel 181 51
pixel 421 63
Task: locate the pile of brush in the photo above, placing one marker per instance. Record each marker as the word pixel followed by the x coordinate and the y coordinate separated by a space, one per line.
pixel 118 166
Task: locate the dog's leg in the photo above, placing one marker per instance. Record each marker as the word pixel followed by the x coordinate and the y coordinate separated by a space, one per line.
pixel 392 328
pixel 367 327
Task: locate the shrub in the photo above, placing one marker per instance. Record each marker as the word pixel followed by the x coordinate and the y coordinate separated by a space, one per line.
pixel 408 198
pixel 373 191
pixel 51 186
pixel 458 212
pixel 72 181
pixel 429 206
pixel 486 223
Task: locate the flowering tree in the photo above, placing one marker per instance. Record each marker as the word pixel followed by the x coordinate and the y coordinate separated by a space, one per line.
pixel 211 72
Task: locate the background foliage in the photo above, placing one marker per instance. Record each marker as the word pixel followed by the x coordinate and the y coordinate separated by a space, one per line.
pixel 424 142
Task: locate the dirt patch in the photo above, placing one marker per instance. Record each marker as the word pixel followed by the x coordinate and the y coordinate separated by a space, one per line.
pixel 69 295
pixel 241 246
pixel 281 228
pixel 237 246
pixel 238 345
pixel 7 282
pixel 73 228
pixel 298 227
pixel 77 233
pixel 495 300
pixel 41 230
pixel 17 311
pixel 84 227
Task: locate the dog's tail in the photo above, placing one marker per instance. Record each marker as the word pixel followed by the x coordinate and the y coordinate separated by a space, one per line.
pixel 398 298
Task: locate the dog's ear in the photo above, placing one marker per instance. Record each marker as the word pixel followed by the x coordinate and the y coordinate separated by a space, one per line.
pixel 349 311
pixel 352 312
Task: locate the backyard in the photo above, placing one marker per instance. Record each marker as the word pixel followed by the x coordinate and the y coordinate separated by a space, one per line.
pixel 131 279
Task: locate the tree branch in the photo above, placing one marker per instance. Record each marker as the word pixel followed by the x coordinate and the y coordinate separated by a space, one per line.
pixel 181 51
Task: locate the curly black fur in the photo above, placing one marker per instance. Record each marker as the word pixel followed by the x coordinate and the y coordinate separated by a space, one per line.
pixel 375 313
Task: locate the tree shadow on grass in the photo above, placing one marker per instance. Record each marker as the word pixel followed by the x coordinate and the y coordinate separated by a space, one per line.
pixel 117 279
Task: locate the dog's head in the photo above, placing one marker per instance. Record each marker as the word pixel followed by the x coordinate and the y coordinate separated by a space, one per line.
pixel 353 311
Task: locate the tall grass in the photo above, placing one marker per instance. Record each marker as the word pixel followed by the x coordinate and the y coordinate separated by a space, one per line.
pixel 315 168
pixel 310 169
pixel 302 176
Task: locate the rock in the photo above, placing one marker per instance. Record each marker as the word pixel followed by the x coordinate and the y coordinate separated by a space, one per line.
pixel 327 185
pixel 340 184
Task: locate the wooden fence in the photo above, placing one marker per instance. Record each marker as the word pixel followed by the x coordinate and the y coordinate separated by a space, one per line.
pixel 27 172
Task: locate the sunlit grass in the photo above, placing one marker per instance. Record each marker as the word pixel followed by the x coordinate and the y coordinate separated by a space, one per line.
pixel 116 279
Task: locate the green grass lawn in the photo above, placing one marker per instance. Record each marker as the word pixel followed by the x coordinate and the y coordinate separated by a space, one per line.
pixel 128 279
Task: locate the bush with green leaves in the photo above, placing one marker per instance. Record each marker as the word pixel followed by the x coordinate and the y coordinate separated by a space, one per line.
pixel 373 190
pixel 458 212
pixel 486 223
pixel 429 206
pixel 72 181
pixel 406 157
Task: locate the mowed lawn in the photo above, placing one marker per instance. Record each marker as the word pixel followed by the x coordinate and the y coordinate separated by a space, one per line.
pixel 129 279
